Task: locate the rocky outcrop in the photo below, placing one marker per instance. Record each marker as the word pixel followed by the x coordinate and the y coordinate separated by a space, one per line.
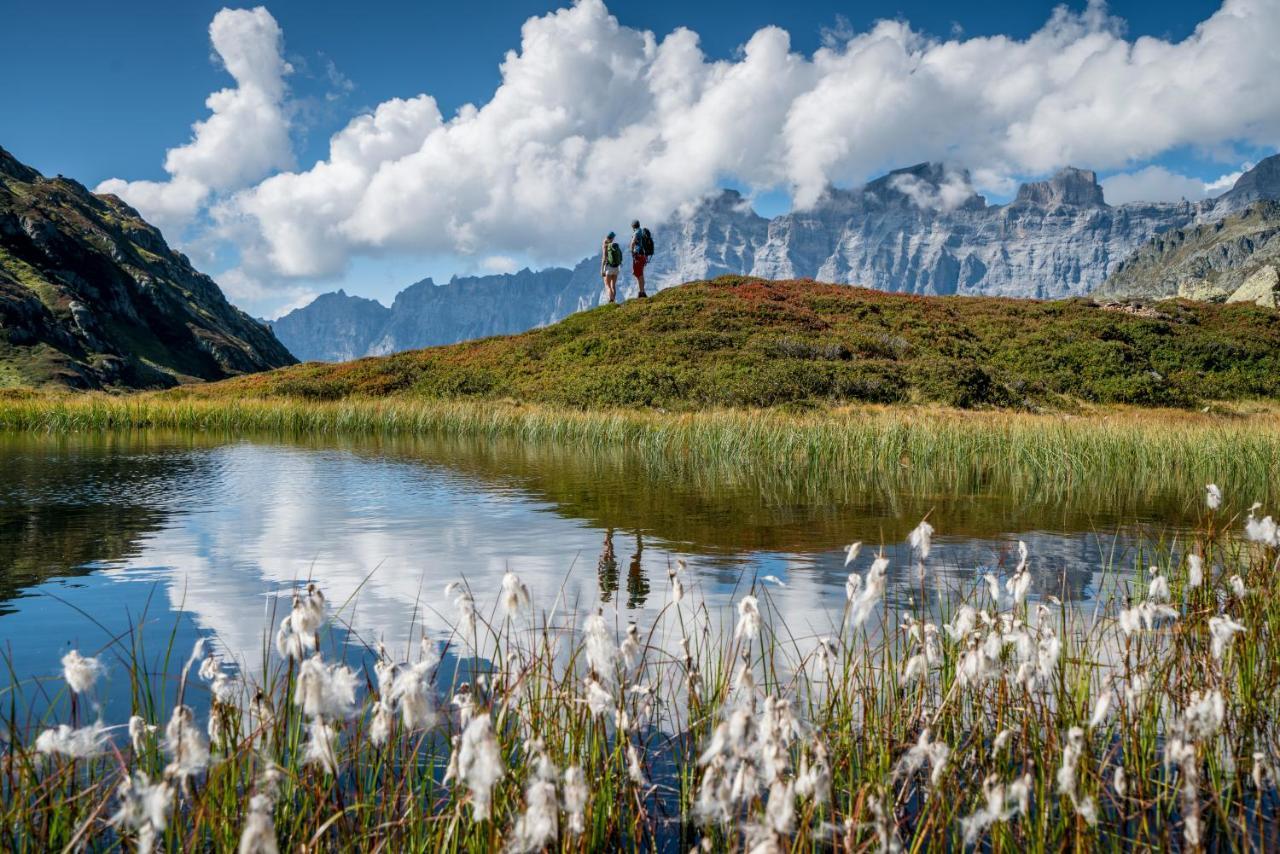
pixel 1232 259
pixel 919 230
pixel 91 296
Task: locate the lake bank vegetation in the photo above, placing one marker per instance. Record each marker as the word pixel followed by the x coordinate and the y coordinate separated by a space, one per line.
pixel 1235 445
pixel 991 718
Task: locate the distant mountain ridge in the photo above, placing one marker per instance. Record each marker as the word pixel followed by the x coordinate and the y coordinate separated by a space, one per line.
pixel 920 230
pixel 1235 259
pixel 91 296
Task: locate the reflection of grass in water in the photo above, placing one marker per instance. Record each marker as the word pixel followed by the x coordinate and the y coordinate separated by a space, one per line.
pixel 1022 724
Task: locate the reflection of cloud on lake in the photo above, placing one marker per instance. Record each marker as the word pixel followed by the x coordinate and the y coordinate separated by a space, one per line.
pixel 383 534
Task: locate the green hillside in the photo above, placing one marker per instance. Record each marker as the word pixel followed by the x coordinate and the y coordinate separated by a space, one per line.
pixel 749 343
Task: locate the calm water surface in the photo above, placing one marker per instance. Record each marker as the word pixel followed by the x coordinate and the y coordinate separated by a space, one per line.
pixel 182 535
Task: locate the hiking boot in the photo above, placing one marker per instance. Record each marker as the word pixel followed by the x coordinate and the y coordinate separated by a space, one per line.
pixel 642 295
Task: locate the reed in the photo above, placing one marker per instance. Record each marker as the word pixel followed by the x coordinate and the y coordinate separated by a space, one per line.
pixel 991 719
pixel 1238 448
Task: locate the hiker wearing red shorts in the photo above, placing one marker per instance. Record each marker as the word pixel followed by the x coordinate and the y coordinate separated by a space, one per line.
pixel 641 252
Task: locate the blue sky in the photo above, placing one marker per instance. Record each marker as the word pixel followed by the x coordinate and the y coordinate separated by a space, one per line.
pixel 127 80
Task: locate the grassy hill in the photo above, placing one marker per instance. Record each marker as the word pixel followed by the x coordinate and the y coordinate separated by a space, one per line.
pixel 749 343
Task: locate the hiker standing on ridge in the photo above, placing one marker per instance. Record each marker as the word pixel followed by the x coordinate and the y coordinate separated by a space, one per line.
pixel 641 252
pixel 610 264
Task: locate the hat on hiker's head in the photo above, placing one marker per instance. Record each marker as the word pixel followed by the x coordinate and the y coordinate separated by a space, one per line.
pixel 609 236
pixel 635 223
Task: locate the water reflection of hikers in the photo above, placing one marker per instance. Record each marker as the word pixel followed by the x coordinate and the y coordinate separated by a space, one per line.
pixel 610 264
pixel 607 568
pixel 637 582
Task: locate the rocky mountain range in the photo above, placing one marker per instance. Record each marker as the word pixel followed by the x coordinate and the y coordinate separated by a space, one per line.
pixel 1235 259
pixel 91 296
pixel 917 230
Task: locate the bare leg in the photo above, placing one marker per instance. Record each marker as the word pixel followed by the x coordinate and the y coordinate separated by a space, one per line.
pixel 640 279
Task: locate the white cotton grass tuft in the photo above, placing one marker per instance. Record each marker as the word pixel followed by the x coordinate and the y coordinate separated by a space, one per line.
pixel 410 691
pixel 749 620
pixel 575 796
pixel 921 539
pixel 631 648
pixel 1003 802
pixel 1262 531
pixel 514 596
pixel 144 809
pixel 870 592
pixel 599 646
pixel 1195 570
pixel 322 746
pixel 140 733
pixel 1212 496
pixel 80 672
pixel 325 691
pixel 479 765
pixel 851 552
pixel 464 605
pixel 184 744
pixel 539 825
pixel 1068 784
pixel 258 836
pixel 74 743
pixel 1158 589
pixel 599 701
pixel 1222 630
pixel 1236 583
pixel 925 750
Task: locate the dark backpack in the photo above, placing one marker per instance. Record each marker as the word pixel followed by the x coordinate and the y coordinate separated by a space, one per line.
pixel 646 242
pixel 613 255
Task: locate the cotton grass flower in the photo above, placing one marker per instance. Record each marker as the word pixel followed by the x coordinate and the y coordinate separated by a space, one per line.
pixel 321 747
pixel 464 605
pixel 851 552
pixel 81 743
pixel 1261 530
pixel 1212 496
pixel 1236 583
pixel 143 810
pixel 1195 570
pixel 575 796
pixel 185 745
pixel 258 836
pixel 514 596
pixel 480 764
pixel 1068 785
pixel 139 733
pixel 80 672
pixel 921 539
pixel 1003 802
pixel 749 619
pixel 925 750
pixel 599 646
pixel 1222 630
pixel 870 594
pixel 325 691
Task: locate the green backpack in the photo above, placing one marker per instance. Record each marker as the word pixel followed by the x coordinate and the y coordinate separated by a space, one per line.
pixel 613 255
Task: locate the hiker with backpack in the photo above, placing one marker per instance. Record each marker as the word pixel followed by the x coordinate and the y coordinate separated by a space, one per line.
pixel 641 252
pixel 610 264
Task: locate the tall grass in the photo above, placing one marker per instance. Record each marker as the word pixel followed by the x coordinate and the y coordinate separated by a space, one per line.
pixel 1157 448
pixel 989 720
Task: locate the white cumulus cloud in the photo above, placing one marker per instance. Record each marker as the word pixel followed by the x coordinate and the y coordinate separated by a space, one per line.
pixel 595 123
pixel 244 139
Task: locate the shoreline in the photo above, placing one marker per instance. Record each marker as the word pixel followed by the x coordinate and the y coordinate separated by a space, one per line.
pixel 1237 444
